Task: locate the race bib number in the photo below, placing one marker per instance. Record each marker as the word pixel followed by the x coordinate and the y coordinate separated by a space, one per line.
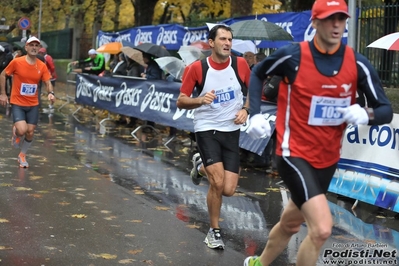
pixel 28 89
pixel 224 97
pixel 323 111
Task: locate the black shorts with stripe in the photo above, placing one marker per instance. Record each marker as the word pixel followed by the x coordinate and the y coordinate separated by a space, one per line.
pixel 302 179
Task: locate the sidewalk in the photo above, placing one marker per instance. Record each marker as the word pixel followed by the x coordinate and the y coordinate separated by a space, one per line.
pixel 59 212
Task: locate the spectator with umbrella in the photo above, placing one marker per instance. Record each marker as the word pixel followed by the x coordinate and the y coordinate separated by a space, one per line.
pixel 152 71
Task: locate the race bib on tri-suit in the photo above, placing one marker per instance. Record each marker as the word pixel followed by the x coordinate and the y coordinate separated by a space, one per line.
pixel 28 89
pixel 323 111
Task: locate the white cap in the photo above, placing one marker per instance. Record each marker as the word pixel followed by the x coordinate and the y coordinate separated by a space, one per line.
pixel 1 48
pixel 92 51
pixel 33 39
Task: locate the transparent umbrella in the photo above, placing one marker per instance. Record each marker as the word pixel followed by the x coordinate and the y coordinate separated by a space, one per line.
pixel 190 54
pixel 243 46
pixel 172 65
pixel 43 44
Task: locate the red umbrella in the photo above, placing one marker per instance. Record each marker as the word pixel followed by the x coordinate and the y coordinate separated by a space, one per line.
pixel 202 45
pixel 388 42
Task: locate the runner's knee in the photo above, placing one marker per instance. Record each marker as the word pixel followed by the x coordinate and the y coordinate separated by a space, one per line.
pixel 320 234
pixel 229 191
pixel 291 227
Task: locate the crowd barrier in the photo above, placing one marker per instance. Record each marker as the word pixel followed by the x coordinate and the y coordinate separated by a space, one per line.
pixel 154 101
pixel 368 169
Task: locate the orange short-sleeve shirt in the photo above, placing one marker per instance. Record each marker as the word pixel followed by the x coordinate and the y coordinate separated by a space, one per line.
pixel 25 82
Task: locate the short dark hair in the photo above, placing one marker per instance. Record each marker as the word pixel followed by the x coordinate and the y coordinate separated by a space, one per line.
pixel 260 57
pixel 212 33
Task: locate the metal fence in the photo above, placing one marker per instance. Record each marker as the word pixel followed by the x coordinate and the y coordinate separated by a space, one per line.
pixel 373 23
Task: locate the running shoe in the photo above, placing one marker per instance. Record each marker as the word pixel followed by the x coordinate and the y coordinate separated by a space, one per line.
pixel 195 175
pixel 15 141
pixel 214 239
pixel 22 161
pixel 252 261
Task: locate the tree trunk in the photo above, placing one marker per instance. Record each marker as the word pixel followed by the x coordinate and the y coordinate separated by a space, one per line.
pixel 98 20
pixel 143 12
pixel 117 11
pixel 78 26
pixel 301 5
pixel 240 8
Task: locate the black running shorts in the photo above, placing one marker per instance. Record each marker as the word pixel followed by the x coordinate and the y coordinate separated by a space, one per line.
pixel 302 179
pixel 30 114
pixel 217 146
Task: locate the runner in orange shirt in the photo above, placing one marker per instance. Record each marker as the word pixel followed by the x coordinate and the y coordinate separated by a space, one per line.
pixel 27 71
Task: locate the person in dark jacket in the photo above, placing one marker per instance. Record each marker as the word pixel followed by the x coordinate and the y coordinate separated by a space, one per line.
pixel 121 67
pixel 153 71
pixel 5 58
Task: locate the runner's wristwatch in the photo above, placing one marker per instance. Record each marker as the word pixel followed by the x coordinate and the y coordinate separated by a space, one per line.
pixel 246 109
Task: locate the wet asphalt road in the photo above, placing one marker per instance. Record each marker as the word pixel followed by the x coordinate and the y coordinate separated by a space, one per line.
pixel 110 199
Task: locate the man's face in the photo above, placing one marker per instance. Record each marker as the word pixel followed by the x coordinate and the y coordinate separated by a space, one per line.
pixel 250 58
pixel 329 31
pixel 221 46
pixel 32 48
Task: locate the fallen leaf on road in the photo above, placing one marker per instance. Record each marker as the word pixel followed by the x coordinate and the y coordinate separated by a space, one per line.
pixel 22 189
pixel 64 203
pixel 4 220
pixel 110 218
pixel 130 235
pixel 39 196
pixel 108 256
pixel 5 248
pixel 138 192
pixel 80 216
pixel 193 226
pixel 126 261
pixel 134 221
pixel 274 189
pixel 35 177
pixel 159 208
pixel 136 251
pixel 6 185
pixel 103 255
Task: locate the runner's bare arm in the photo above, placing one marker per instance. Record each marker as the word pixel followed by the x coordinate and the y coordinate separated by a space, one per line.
pixel 50 90
pixel 3 95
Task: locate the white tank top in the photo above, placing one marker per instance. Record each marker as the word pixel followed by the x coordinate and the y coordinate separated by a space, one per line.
pixel 221 113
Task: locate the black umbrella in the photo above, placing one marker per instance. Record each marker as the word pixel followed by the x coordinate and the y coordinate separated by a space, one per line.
pixel 20 45
pixel 128 44
pixel 259 30
pixel 152 49
pixel 6 45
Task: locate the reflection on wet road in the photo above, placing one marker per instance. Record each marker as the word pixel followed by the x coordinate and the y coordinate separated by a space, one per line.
pixel 161 174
